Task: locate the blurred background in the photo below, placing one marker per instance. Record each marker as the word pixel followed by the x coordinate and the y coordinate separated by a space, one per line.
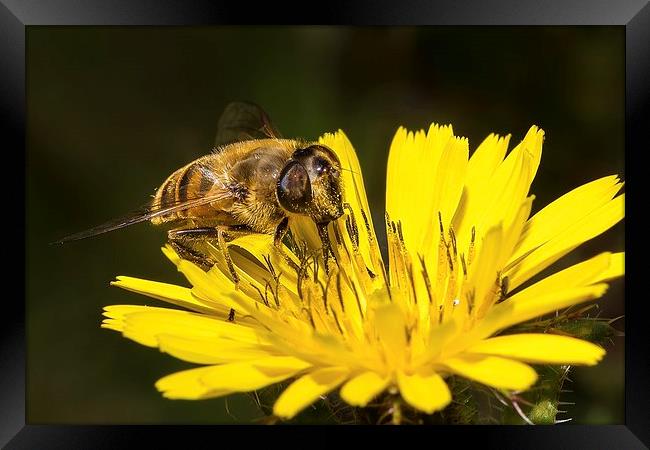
pixel 113 111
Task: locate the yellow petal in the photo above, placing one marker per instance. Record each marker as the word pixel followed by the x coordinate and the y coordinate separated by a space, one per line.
pixel 565 211
pixel 307 389
pixel 498 197
pixel 428 393
pixel 208 286
pixel 483 274
pixel 143 324
pixel 616 268
pixel 354 193
pixel 391 331
pixel 439 337
pixel 511 234
pixel 447 191
pixel 251 375
pixel 187 385
pixel 581 231
pixel 115 315
pixel 532 145
pixel 493 371
pixel 171 254
pixel 522 307
pixel 119 312
pixel 582 274
pixel 170 293
pixel 480 168
pixel 252 262
pixel 363 388
pixel 449 180
pixel 485 160
pixel 508 189
pixel 304 230
pixel 211 351
pixel 411 195
pixel 541 348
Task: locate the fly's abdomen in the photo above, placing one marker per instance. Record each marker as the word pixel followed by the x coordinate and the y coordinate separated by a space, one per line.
pixel 187 185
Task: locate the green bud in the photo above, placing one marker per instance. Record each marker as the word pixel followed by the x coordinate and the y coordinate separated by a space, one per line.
pixel 593 330
pixel 543 413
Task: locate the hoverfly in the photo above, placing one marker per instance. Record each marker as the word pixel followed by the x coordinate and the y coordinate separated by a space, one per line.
pixel 254 181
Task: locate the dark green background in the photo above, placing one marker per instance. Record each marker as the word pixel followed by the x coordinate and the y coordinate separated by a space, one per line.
pixel 113 111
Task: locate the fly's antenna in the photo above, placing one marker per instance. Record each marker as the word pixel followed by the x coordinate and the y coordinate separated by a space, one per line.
pixel 350 170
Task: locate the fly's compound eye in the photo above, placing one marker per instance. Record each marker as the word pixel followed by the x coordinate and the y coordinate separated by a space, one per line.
pixel 318 160
pixel 294 188
pixel 321 166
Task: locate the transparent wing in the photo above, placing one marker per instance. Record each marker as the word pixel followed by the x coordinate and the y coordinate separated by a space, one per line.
pixel 243 121
pixel 143 214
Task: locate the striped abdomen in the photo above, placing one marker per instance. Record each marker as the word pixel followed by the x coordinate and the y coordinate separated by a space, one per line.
pixel 189 183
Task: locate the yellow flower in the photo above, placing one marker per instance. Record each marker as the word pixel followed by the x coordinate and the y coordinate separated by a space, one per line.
pixel 460 242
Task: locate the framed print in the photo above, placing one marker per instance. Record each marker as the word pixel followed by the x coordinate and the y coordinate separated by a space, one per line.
pixel 400 217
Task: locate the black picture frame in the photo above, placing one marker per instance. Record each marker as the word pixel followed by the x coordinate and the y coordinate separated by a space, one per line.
pixel 634 15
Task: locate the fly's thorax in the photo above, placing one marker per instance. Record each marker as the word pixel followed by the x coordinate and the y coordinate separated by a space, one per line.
pixel 253 183
pixel 236 178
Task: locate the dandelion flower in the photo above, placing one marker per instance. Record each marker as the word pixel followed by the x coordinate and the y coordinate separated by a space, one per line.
pixel 461 248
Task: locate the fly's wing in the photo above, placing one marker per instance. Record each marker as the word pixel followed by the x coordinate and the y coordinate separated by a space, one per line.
pixel 144 214
pixel 243 121
pixel 240 121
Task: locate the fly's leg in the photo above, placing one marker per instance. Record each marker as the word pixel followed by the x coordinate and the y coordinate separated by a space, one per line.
pixel 219 233
pixel 280 233
pixel 226 254
pixel 327 247
pixel 222 233
pixel 351 226
pixel 179 241
pixel 278 236
pixel 186 252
